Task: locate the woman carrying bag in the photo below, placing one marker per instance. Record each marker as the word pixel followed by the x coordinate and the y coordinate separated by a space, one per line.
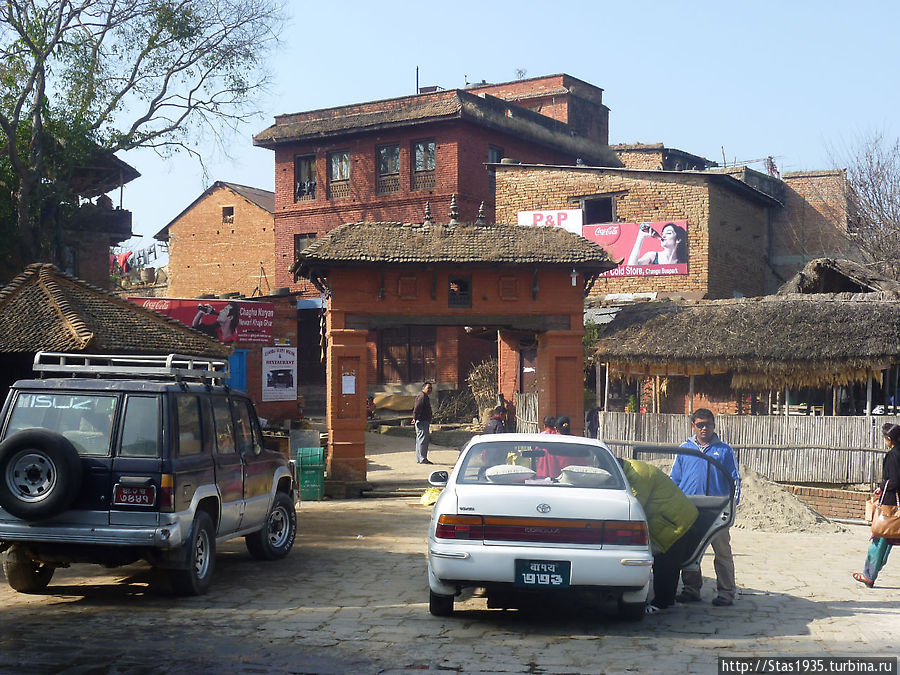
pixel 880 547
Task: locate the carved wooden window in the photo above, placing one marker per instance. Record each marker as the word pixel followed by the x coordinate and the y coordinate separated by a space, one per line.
pixel 388 178
pixel 304 178
pixel 459 291
pixel 424 164
pixel 339 174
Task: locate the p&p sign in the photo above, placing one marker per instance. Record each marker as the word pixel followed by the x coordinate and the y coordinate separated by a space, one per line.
pixel 568 219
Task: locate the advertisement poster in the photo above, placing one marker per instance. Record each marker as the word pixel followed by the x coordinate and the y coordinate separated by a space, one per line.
pixel 646 249
pixel 222 320
pixel 279 373
pixel 568 219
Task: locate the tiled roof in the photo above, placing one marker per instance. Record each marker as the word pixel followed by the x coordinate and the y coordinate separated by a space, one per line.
pixel 264 199
pixel 45 309
pixel 482 110
pixel 413 244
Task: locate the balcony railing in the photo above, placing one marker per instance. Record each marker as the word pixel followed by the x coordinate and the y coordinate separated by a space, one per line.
pixel 385 185
pixel 339 189
pixel 423 180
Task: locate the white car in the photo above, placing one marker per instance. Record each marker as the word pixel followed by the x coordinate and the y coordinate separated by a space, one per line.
pixel 526 513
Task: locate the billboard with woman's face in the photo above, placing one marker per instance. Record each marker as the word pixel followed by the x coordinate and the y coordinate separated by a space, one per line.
pixel 645 249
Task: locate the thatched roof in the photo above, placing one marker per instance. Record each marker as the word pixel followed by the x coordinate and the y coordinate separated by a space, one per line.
pixel 766 343
pixel 837 275
pixel 376 244
pixel 46 309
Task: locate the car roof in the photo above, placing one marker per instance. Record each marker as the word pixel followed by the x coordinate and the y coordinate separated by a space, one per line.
pixel 536 438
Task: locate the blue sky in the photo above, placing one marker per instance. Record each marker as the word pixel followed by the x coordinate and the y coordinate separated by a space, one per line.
pixel 800 81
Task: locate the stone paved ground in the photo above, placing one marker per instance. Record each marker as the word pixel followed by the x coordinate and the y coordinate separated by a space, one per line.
pixel 352 598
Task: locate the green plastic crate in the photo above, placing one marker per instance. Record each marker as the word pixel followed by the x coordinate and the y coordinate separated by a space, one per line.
pixel 312 485
pixel 311 463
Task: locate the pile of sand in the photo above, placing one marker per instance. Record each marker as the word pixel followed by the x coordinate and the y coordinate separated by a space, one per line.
pixel 768 507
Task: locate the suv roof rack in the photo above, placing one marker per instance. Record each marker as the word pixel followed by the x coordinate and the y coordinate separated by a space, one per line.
pixel 152 366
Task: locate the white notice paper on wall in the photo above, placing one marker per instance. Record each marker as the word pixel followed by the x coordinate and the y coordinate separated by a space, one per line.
pixel 348 384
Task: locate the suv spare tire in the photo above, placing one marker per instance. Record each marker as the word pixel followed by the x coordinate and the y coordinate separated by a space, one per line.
pixel 40 474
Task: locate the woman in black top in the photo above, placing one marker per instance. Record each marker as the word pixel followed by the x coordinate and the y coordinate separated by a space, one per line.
pixel 880 547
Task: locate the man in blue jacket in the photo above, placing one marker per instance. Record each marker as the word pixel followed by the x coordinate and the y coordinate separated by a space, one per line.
pixel 696 476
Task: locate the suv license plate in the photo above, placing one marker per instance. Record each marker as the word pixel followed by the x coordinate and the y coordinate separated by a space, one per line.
pixel 543 573
pixel 133 495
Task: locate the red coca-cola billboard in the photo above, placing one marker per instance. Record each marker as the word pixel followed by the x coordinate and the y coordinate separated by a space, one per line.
pixel 646 249
pixel 222 320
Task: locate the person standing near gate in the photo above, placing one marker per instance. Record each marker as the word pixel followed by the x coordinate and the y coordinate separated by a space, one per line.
pixel 696 476
pixel 422 420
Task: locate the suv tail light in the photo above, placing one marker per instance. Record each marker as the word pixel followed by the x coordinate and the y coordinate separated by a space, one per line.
pixel 167 493
pixel 542 530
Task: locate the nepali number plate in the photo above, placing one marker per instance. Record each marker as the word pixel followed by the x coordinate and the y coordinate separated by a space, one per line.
pixel 134 495
pixel 543 573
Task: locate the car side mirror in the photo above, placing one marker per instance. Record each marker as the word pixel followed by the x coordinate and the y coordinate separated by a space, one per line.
pixel 438 478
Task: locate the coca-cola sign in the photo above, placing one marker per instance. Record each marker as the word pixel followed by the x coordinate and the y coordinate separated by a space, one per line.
pixel 657 248
pixel 222 320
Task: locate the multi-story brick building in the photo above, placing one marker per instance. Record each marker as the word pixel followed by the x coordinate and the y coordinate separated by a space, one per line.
pixel 383 160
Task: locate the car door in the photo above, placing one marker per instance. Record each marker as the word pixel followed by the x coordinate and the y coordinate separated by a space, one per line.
pixel 259 468
pixel 229 466
pixel 716 512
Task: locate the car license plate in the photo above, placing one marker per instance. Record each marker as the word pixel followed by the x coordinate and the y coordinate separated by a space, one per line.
pixel 134 495
pixel 543 573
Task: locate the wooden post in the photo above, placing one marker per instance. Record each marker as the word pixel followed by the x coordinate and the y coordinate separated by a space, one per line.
pixel 869 393
pixel 655 394
pixel 691 394
pixel 834 401
pixel 786 390
pixel 606 390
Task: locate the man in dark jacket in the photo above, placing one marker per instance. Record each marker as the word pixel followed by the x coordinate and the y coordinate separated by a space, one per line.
pixel 422 420
pixel 497 423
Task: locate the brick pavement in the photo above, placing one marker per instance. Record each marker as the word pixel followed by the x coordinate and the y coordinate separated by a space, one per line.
pixel 352 598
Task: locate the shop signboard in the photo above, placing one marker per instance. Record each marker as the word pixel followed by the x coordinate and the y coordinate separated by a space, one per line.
pixel 649 249
pixel 279 373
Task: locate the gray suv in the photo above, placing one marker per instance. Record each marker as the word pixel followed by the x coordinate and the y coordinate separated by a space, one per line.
pixel 114 459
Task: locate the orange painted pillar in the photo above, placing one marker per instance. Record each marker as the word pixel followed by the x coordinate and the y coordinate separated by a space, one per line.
pixel 560 366
pixel 347 379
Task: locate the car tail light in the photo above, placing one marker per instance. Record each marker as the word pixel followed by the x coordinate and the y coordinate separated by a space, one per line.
pixel 167 493
pixel 460 527
pixel 625 533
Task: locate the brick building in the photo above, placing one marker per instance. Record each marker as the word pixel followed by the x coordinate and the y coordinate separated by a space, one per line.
pixel 224 241
pixel 728 221
pixel 383 160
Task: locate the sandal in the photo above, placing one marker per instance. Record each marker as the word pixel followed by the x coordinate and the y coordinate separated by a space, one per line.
pixel 863 580
pixel 652 609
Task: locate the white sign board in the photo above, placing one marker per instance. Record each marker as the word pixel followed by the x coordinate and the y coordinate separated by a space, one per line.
pixel 279 374
pixel 568 219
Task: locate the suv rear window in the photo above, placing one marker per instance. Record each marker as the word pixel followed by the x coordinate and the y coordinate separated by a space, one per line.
pixel 140 431
pixel 85 419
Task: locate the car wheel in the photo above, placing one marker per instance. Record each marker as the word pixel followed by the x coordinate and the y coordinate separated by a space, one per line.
pixel 631 611
pixel 40 474
pixel 276 538
pixel 440 605
pixel 196 578
pixel 24 574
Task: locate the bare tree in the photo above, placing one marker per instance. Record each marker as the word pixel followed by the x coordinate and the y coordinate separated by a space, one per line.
pixel 121 74
pixel 873 173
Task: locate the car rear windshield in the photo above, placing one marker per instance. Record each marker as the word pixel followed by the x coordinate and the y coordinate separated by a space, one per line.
pixel 546 463
pixel 85 419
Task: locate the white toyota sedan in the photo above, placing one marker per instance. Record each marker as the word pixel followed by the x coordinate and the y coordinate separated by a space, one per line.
pixel 537 512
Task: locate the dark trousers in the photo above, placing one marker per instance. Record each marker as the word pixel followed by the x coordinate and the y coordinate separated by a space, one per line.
pixel 666 570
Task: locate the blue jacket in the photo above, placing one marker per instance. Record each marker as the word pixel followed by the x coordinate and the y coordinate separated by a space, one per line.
pixel 696 476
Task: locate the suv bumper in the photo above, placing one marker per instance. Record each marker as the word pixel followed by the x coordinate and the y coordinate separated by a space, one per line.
pixel 165 535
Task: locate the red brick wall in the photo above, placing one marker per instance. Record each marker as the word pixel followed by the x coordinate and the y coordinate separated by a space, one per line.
pixel 209 256
pixel 461 151
pixel 830 502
